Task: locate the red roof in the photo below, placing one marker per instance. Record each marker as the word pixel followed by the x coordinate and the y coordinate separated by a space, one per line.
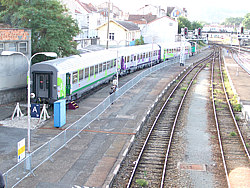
pixel 88 7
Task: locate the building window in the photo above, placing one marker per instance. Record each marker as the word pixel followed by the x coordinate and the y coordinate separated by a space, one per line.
pixel 12 47
pixel 23 47
pixel 1 47
pixel 111 36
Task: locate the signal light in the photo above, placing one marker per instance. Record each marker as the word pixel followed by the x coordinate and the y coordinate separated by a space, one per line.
pixel 185 31
pixel 242 30
pixel 199 31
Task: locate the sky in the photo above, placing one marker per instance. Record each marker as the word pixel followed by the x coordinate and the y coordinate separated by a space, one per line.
pixel 198 10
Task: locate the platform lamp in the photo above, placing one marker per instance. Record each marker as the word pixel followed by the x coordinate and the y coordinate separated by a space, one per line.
pixel 49 54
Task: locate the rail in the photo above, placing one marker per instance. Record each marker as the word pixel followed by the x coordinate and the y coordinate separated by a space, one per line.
pixel 155 122
pixel 44 153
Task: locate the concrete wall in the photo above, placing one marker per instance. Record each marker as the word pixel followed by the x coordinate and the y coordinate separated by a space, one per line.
pixel 13 71
pixel 13 95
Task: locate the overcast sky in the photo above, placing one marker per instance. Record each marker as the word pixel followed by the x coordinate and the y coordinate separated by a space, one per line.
pixel 201 10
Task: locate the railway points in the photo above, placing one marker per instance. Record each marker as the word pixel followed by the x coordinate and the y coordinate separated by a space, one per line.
pixel 109 147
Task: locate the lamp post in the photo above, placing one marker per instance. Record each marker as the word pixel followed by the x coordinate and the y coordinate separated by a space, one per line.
pixel 117 43
pixel 49 54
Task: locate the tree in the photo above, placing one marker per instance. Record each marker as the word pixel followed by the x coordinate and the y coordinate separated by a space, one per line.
pixel 139 41
pixel 233 21
pixel 183 22
pixel 52 28
pixel 246 21
pixel 196 25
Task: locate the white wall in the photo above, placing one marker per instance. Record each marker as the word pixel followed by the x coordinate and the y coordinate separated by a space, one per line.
pixel 162 30
pixel 120 35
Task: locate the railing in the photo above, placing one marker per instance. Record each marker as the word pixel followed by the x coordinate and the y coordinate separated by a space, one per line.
pixel 35 159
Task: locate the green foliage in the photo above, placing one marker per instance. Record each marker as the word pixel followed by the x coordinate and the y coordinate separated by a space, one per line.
pixel 233 21
pixel 233 133
pixel 237 107
pixel 246 21
pixel 184 88
pixel 142 182
pixel 52 28
pixel 196 25
pixel 184 22
pixel 139 41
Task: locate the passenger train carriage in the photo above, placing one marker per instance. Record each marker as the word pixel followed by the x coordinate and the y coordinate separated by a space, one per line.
pixel 68 78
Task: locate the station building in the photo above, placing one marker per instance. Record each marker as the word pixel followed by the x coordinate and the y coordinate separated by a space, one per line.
pixel 13 69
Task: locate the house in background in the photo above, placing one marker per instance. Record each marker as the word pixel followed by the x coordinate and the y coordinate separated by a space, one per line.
pixel 121 33
pixel 175 12
pixel 141 20
pixel 152 9
pixel 160 30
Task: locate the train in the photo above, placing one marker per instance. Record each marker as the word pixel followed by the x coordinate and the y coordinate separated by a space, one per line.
pixel 70 77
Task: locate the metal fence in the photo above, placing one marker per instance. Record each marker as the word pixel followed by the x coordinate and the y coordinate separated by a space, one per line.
pixel 33 160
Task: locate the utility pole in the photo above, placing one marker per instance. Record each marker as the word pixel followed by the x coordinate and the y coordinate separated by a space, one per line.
pixel 107 46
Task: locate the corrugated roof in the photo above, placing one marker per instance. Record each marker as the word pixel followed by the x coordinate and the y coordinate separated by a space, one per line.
pixel 141 18
pixel 128 25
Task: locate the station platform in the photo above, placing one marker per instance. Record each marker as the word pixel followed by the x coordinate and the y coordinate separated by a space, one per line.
pixel 93 159
pixel 240 83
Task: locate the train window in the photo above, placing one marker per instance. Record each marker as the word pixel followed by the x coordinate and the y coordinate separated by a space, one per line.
pixel 80 74
pixel 131 59
pixel 127 58
pixel 1 47
pixel 138 57
pixel 135 58
pixel 96 69
pixel 143 55
pixel 87 72
pixel 91 70
pixel 108 65
pixel 41 82
pixel 47 82
pixel 111 63
pixel 75 76
pixel 147 55
pixel 104 66
pixel 100 67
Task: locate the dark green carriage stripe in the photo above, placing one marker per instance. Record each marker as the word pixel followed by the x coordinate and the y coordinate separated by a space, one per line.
pixel 92 83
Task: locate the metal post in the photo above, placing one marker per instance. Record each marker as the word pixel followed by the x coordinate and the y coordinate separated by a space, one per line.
pixel 107 46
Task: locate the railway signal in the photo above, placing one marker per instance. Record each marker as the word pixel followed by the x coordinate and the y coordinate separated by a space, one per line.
pixel 186 31
pixel 242 30
pixel 199 31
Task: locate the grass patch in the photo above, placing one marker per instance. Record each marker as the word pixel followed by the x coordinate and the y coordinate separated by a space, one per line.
pixel 237 118
pixel 233 133
pixel 141 182
pixel 184 88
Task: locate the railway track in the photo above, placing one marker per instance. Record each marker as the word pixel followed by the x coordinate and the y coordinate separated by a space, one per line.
pixel 148 164
pixel 233 149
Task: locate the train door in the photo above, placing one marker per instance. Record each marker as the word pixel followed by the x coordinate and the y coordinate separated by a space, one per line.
pixel 43 85
pixel 122 63
pixel 68 84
